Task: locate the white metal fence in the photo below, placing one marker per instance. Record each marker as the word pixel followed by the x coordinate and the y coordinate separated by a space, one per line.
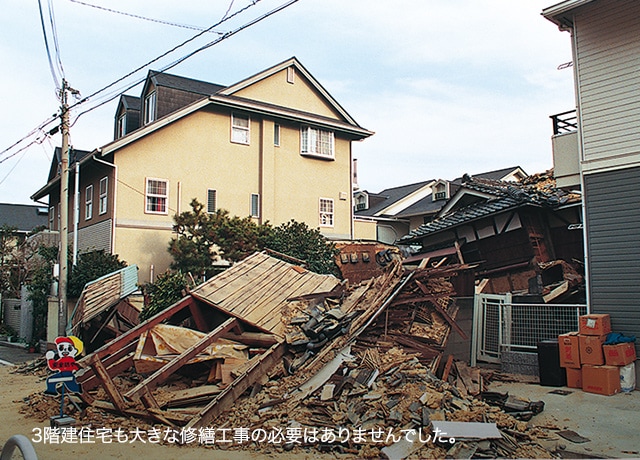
pixel 500 325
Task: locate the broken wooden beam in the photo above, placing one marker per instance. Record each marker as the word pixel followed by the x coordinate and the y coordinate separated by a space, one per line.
pixel 108 385
pixel 253 339
pixel 168 369
pixel 224 400
pixel 132 334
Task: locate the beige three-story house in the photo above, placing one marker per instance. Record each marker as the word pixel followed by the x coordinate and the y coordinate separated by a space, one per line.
pixel 275 146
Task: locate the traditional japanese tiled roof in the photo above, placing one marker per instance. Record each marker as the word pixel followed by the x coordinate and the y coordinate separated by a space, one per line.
pixel 500 196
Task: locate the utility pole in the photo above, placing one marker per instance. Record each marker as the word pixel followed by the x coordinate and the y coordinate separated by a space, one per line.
pixel 64 212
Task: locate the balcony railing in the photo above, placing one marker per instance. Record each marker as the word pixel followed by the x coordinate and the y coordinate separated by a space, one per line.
pixel 565 122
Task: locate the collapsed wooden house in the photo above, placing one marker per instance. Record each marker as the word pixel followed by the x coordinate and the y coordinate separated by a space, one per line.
pixel 272 313
pixel 513 233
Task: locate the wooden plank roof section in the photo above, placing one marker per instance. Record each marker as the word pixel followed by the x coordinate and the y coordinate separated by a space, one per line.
pixel 103 293
pixel 259 287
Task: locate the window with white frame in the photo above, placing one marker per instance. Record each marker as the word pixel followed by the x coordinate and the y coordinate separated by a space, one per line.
pixel 121 127
pixel 150 107
pixel 211 201
pixel 255 205
pixel 104 194
pixel 316 142
pixel 52 216
pixel 326 212
pixel 157 196
pixel 88 202
pixel 240 124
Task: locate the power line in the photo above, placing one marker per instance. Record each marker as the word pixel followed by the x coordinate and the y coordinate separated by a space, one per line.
pixel 144 18
pixel 54 33
pixel 187 56
pixel 117 93
pixel 189 40
pixel 48 49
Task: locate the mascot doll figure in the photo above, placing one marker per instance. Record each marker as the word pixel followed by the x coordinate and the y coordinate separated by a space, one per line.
pixel 63 363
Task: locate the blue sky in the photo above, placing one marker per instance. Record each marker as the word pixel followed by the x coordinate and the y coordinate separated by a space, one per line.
pixel 448 86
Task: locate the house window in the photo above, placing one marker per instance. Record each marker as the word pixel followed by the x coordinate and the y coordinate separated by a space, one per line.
pixel 276 135
pixel 316 142
pixel 211 201
pixel 104 192
pixel 52 215
pixel 157 196
pixel 240 128
pixel 88 202
pixel 121 127
pixel 326 212
pixel 255 205
pixel 150 107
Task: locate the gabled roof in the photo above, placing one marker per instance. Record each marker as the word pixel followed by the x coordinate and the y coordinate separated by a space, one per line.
pixel 427 205
pixel 291 62
pixel 496 197
pixel 54 175
pixel 24 217
pixel 219 95
pixel 183 83
pixel 130 102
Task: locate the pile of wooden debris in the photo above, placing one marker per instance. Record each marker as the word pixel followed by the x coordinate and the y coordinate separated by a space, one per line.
pixel 308 355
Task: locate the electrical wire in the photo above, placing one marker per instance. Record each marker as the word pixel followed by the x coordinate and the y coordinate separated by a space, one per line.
pixel 48 49
pixel 118 92
pixel 54 34
pixel 192 53
pixel 189 40
pixel 144 18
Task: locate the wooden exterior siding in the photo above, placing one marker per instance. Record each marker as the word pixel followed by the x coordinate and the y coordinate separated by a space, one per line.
pixel 612 246
pixel 608 79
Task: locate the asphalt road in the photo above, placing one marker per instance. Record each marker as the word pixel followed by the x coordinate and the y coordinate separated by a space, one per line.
pixel 11 354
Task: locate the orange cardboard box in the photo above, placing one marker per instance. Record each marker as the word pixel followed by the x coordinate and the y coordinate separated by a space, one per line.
pixel 595 324
pixel 574 377
pixel 620 354
pixel 603 380
pixel 569 350
pixel 591 349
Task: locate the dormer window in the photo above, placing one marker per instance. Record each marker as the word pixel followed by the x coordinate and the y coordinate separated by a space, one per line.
pixel 440 191
pixel 361 202
pixel 150 107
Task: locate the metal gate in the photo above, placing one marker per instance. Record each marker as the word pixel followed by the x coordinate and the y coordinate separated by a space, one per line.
pixel 500 325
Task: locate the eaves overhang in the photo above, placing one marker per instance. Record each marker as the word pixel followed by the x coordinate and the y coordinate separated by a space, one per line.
pixel 559 13
pixel 237 103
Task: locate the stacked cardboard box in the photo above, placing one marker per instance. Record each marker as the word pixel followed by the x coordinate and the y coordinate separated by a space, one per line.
pixel 589 363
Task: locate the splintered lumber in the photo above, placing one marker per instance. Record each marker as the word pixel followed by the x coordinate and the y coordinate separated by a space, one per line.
pixel 466 376
pixel 176 363
pixel 261 365
pixel 443 312
pixel 193 396
pixel 447 368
